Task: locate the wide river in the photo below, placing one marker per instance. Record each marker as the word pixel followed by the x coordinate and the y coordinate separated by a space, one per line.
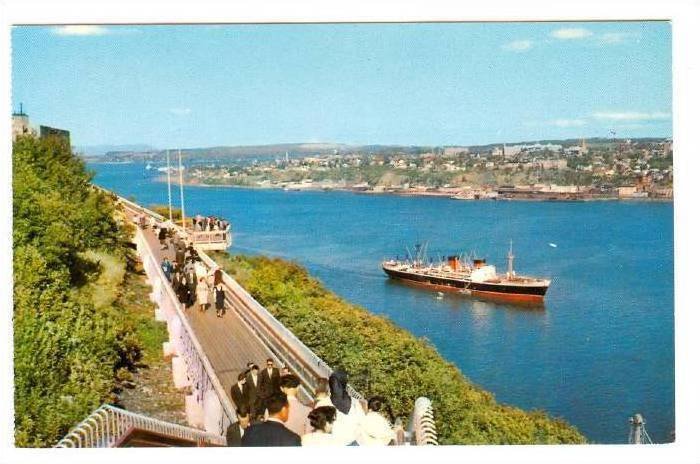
pixel 599 350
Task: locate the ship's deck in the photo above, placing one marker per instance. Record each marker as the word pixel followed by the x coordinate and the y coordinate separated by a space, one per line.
pixel 464 276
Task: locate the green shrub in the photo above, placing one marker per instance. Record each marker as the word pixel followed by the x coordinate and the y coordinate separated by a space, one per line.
pixel 164 211
pixel 68 258
pixel 386 360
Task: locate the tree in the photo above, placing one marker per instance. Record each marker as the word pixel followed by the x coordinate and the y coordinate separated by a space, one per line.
pixel 65 350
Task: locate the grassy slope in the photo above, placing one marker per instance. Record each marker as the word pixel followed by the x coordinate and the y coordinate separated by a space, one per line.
pixel 153 392
pixel 387 360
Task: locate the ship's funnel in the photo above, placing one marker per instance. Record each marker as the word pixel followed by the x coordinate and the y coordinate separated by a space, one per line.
pixel 453 262
pixel 479 262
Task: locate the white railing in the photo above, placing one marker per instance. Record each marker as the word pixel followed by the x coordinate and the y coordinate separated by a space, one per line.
pixel 199 369
pixel 277 338
pixel 212 240
pixel 421 428
pixel 107 426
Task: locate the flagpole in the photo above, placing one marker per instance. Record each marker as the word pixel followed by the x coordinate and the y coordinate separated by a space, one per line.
pixel 170 201
pixel 182 192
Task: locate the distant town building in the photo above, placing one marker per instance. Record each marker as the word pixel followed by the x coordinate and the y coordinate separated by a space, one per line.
pixel 584 147
pixel 562 188
pixel 452 151
pixel 627 191
pixel 20 124
pixel 575 150
pixel 558 164
pixel 46 131
pixel 667 147
pixel 540 147
pixel 511 151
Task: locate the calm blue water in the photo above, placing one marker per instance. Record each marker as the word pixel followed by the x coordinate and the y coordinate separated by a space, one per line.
pixel 600 350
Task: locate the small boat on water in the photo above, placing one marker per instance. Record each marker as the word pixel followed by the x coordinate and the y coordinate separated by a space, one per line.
pixel 476 278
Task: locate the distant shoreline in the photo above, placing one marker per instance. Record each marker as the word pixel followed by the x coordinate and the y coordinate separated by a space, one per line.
pixel 449 196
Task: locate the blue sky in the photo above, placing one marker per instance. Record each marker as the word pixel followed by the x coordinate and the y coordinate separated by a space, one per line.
pixel 423 84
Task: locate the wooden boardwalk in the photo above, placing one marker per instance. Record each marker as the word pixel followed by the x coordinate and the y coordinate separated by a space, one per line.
pixel 228 342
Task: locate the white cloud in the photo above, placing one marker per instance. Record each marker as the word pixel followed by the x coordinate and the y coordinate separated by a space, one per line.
pixel 571 33
pixel 568 122
pixel 518 45
pixel 82 29
pixel 180 111
pixel 632 116
pixel 616 37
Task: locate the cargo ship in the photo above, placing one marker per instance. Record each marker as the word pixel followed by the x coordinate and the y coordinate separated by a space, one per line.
pixel 471 278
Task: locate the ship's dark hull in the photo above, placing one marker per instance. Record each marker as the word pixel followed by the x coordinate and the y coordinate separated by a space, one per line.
pixel 524 293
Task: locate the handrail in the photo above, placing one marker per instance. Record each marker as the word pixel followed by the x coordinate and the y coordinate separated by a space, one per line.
pixel 279 340
pixel 211 236
pixel 107 426
pixel 209 369
pixel 272 332
pixel 422 423
pixel 278 337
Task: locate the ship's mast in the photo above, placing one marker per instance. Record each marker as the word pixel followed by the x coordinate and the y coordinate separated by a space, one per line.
pixel 510 261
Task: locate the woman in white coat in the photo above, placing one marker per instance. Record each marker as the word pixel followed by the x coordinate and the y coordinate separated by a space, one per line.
pixel 202 294
pixel 321 420
pixel 375 429
pixel 349 412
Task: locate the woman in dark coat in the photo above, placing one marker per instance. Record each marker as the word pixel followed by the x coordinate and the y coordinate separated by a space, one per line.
pixel 183 291
pixel 218 277
pixel 180 257
pixel 219 299
pixel 162 235
pixel 175 279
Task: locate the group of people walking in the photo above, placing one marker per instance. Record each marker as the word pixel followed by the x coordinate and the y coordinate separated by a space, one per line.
pixel 208 223
pixel 268 407
pixel 270 412
pixel 192 282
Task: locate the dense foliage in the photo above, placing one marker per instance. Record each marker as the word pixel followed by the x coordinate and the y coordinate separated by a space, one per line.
pixel 69 339
pixel 164 211
pixel 386 360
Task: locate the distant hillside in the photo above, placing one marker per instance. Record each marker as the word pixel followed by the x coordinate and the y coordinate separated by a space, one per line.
pixel 294 149
pixel 101 150
pixel 591 142
pixel 307 149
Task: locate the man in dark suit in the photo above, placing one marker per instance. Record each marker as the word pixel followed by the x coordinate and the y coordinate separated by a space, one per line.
pixel 272 432
pixel 252 383
pixel 239 392
pixel 236 431
pixel 269 379
pixel 180 257
pixel 191 277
